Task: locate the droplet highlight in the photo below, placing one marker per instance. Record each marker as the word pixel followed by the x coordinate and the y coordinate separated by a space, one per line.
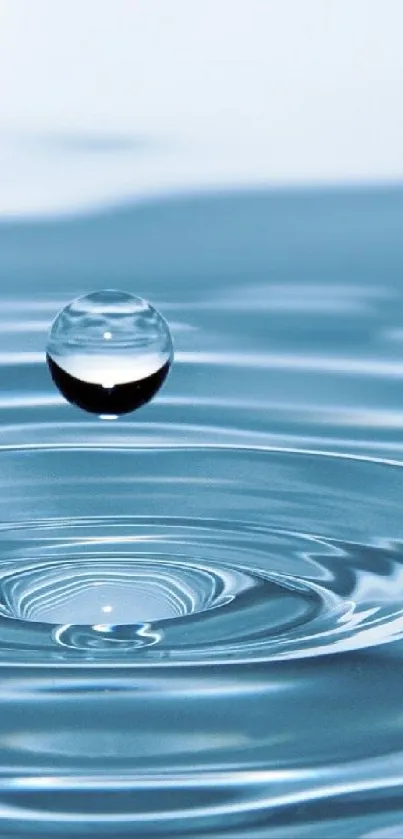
pixel 109 352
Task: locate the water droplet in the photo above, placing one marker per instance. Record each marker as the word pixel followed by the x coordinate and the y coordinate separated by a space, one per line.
pixel 109 352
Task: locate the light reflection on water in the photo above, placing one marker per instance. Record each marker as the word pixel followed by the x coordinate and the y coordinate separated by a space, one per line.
pixel 245 528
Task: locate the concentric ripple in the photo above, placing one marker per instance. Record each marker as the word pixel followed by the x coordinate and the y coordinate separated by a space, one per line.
pixel 178 657
pixel 201 605
pixel 125 584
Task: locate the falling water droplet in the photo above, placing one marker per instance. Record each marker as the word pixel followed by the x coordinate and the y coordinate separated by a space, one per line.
pixel 109 352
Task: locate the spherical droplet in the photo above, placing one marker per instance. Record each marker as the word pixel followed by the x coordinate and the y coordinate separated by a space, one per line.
pixel 109 352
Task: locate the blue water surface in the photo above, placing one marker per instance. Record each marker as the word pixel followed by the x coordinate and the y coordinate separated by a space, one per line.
pixel 201 614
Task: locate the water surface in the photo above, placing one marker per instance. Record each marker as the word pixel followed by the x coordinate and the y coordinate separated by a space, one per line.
pixel 201 614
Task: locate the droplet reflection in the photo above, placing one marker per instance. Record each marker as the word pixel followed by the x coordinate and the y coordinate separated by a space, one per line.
pixel 109 352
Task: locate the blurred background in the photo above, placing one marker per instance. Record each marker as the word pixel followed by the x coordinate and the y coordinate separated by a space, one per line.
pixel 236 162
pixel 113 100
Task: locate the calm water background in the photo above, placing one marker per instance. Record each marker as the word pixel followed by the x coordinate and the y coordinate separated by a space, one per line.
pixel 246 528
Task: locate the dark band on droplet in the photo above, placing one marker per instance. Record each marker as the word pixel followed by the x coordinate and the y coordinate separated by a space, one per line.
pixel 96 399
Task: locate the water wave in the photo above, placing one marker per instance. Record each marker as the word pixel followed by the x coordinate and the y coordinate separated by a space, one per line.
pixel 201 619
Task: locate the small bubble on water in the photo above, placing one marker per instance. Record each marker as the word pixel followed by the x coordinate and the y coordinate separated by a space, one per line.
pixel 109 352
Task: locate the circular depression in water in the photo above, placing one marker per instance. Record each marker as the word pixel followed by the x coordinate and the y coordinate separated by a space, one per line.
pixel 110 591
